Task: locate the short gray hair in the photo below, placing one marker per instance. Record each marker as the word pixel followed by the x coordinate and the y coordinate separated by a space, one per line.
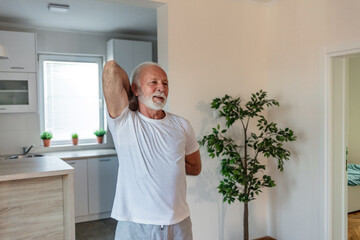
pixel 136 73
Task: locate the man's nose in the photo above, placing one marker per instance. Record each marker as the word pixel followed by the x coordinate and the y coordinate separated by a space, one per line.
pixel 160 87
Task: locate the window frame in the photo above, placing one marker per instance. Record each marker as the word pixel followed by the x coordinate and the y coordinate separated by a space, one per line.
pixel 70 58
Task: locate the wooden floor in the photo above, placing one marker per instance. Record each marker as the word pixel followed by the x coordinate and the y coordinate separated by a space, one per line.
pixel 354 226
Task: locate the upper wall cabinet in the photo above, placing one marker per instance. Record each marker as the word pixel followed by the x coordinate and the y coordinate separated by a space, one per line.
pixel 21 50
pixel 128 54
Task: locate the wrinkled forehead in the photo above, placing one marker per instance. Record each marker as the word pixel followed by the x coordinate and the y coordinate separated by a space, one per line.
pixel 152 72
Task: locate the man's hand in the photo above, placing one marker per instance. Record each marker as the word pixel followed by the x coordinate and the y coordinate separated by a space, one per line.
pixel 193 163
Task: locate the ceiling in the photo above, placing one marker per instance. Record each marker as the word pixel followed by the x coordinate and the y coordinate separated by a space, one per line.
pixel 101 16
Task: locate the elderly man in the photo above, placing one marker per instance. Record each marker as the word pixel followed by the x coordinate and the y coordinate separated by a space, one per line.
pixel 156 150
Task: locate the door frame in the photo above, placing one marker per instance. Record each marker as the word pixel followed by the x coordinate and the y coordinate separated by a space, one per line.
pixel 335 140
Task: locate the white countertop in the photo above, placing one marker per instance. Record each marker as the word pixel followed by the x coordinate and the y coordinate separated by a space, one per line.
pixel 51 164
pixel 25 168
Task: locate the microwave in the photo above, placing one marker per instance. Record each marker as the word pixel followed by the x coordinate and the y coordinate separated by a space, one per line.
pixel 17 92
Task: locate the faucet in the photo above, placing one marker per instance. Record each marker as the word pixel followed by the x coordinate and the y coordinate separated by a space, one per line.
pixel 27 150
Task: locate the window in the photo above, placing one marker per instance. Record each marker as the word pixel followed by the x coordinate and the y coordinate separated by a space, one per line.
pixel 71 97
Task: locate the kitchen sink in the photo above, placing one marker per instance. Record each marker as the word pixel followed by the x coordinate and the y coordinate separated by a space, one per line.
pixel 25 156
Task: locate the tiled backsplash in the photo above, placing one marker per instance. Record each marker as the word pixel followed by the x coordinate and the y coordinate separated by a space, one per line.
pixel 23 130
pixel 18 130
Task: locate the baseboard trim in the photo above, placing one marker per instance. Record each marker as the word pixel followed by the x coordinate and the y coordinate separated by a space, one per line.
pixel 92 217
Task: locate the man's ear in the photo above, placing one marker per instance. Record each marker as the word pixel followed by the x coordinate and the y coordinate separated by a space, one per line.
pixel 134 89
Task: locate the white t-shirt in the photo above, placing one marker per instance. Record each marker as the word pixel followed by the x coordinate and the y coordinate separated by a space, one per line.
pixel 151 183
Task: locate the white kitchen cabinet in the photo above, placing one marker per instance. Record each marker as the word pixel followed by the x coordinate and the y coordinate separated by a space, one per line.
pixel 17 92
pixel 128 54
pixel 21 48
pixel 80 187
pixel 102 176
pixel 95 184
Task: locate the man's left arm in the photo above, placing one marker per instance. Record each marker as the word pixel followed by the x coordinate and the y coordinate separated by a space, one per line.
pixel 193 163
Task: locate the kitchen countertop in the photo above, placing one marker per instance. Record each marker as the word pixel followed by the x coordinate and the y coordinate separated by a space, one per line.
pixel 26 168
pixel 82 154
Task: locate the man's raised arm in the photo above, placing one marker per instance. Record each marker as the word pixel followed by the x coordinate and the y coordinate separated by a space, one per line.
pixel 116 87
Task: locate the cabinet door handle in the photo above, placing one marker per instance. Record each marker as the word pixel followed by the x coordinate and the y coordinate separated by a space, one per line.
pixel 17 68
pixel 71 163
pixel 105 160
pixel 2 108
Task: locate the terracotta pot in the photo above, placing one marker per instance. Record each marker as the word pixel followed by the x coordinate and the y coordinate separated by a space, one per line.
pixel 100 139
pixel 265 238
pixel 46 142
pixel 75 141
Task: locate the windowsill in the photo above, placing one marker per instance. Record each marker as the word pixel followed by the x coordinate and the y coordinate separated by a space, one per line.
pixel 69 147
pixel 73 146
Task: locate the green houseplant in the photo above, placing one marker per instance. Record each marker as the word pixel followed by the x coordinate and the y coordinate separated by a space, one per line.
pixel 46 137
pixel 100 135
pixel 242 172
pixel 75 138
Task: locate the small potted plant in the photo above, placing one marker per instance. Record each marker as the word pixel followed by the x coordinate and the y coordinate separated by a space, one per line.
pixel 100 135
pixel 75 138
pixel 46 137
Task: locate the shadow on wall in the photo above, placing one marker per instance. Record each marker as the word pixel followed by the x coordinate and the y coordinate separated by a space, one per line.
pixel 280 195
pixel 204 189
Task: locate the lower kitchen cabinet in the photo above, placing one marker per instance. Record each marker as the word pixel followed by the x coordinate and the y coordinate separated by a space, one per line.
pixel 80 187
pixel 102 175
pixel 95 183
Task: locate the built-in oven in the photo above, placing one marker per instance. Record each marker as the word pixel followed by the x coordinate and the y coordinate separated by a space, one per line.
pixel 17 92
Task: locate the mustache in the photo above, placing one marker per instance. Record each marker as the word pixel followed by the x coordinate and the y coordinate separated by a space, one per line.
pixel 159 94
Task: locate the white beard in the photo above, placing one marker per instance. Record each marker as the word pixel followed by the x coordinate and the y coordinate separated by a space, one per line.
pixel 148 101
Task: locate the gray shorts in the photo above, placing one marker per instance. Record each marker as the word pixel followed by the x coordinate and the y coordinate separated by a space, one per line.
pixel 138 231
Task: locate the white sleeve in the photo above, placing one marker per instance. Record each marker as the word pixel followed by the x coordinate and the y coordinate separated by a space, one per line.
pixel 116 122
pixel 192 144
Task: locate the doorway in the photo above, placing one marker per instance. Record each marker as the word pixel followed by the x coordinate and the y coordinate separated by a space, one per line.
pixel 337 129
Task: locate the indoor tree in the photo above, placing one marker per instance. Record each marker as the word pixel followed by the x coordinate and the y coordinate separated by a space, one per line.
pixel 243 173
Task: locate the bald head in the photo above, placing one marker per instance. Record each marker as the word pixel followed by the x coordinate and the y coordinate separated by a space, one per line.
pixel 135 76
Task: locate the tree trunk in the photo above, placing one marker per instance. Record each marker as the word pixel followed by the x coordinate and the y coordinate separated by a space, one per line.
pixel 246 221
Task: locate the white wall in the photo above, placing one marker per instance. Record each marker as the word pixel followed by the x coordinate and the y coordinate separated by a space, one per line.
pixel 354 111
pixel 237 47
pixel 213 48
pixel 23 129
pixel 297 38
pixel 300 31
